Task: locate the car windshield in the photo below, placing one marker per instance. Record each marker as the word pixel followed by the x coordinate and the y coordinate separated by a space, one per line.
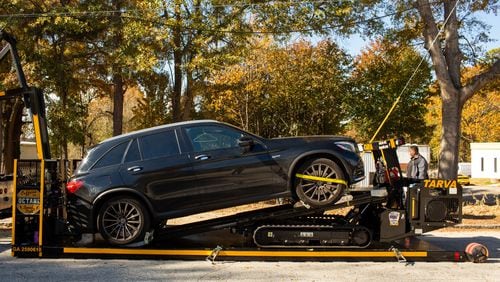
pixel 246 132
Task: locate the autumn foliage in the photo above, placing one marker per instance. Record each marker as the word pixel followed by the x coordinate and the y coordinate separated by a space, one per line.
pixel 274 68
pixel 282 91
pixel 480 116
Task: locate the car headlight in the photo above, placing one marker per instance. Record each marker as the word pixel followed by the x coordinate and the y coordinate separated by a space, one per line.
pixel 348 146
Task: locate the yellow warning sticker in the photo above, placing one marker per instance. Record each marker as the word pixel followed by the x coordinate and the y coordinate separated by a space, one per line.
pixel 28 201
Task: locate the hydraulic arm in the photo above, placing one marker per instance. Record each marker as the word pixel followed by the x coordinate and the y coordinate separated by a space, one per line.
pixel 32 96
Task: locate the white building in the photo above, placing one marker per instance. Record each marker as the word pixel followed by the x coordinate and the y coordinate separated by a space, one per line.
pixel 485 159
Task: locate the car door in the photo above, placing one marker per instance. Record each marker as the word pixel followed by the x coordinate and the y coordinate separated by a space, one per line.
pixel 155 165
pixel 225 173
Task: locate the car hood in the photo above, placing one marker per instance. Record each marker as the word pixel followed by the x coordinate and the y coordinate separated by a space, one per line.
pixel 294 141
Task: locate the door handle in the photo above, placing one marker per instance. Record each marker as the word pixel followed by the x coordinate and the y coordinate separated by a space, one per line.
pixel 134 168
pixel 202 157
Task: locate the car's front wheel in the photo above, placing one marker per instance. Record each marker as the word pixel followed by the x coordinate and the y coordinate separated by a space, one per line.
pixel 123 220
pixel 317 193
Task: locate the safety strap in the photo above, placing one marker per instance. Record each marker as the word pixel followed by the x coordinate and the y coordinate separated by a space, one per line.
pixel 324 179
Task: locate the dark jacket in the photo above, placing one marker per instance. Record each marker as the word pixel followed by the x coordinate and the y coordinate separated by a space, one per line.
pixel 417 168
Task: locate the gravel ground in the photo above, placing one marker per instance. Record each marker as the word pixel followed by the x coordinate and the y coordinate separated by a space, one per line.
pixel 14 269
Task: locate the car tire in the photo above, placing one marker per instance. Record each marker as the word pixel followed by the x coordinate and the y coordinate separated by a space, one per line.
pixel 123 220
pixel 316 193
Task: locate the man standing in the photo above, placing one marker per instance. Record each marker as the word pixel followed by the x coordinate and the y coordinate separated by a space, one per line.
pixel 417 167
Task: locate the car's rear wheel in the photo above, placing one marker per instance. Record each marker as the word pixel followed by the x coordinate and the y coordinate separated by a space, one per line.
pixel 123 220
pixel 317 193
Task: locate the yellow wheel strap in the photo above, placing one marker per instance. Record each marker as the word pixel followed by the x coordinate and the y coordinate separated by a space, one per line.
pixel 323 179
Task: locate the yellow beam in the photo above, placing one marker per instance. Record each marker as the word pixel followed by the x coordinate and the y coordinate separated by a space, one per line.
pixel 14 205
pixel 413 207
pixel 238 253
pixel 41 215
pixel 38 137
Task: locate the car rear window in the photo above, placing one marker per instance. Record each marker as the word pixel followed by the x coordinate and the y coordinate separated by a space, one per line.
pixel 112 157
pixel 161 144
pixel 93 154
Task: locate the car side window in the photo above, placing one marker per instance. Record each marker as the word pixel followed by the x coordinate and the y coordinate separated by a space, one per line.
pixel 161 144
pixel 112 157
pixel 211 137
pixel 133 153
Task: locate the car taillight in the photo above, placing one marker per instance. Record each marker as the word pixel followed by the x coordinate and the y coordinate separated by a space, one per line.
pixel 73 186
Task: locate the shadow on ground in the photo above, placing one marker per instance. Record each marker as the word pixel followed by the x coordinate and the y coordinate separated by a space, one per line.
pixel 4 240
pixel 470 216
pixel 459 243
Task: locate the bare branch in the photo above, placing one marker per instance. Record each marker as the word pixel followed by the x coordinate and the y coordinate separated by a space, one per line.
pixel 471 47
pixel 479 81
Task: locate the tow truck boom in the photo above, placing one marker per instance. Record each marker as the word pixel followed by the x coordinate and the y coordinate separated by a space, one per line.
pixel 32 96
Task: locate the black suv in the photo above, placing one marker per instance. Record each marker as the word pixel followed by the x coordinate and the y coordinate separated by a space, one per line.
pixel 131 183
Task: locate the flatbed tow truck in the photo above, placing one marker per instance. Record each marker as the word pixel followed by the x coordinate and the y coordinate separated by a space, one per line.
pixel 382 224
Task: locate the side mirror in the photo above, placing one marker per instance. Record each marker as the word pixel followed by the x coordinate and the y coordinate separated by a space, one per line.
pixel 246 143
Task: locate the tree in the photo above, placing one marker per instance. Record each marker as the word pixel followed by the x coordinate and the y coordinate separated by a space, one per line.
pixel 480 114
pixel 152 109
pixel 77 52
pixel 51 50
pixel 450 50
pixel 310 83
pixel 11 124
pixel 126 47
pixel 11 112
pixel 194 45
pixel 293 90
pixel 380 74
pixel 100 46
pixel 447 61
pixel 205 35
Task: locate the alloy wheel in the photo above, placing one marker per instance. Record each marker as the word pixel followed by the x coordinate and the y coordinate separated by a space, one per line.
pixel 319 191
pixel 122 221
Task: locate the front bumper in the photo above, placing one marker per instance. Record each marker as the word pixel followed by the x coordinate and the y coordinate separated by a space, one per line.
pixel 358 172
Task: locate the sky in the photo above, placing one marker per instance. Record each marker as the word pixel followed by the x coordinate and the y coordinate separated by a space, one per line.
pixel 354 44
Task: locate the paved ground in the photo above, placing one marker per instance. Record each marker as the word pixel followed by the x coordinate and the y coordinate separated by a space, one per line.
pixel 13 269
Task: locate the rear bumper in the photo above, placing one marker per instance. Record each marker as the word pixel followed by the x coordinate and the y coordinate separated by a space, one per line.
pixel 80 215
pixel 5 213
